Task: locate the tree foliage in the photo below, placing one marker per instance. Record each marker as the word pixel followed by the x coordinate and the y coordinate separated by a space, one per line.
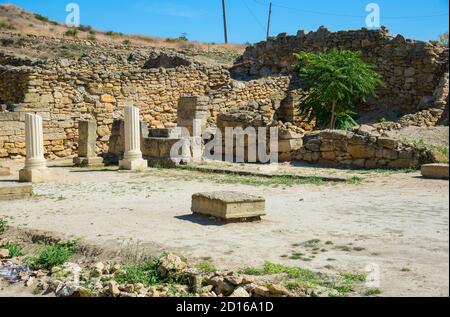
pixel 333 82
pixel 443 38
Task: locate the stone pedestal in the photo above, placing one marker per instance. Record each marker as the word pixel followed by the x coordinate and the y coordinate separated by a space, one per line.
pixel 229 206
pixel 35 169
pixel 132 159
pixel 193 108
pixel 87 157
pixel 436 171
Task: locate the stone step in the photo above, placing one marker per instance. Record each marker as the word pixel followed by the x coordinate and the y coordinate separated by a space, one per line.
pixel 436 171
pixel 12 190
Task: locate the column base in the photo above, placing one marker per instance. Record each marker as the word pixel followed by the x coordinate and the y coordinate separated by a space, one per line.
pixel 4 171
pixel 88 161
pixel 34 175
pixel 133 165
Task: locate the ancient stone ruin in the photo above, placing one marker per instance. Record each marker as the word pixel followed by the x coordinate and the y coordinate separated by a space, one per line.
pixel 260 90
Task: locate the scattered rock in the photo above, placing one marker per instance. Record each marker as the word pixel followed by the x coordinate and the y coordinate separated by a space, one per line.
pixel 240 292
pixel 113 288
pixel 4 253
pixel 171 263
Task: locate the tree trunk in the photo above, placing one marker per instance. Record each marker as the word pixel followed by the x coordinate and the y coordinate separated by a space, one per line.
pixel 332 121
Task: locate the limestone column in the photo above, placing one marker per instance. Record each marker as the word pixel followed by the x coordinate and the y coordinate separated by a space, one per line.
pixel 132 159
pixel 35 169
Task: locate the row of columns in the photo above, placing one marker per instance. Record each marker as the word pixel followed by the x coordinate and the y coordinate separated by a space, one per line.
pixel 36 170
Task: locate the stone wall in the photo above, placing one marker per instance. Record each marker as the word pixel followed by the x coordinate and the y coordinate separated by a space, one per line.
pixel 13 84
pixel 411 69
pixel 361 147
pixel 95 87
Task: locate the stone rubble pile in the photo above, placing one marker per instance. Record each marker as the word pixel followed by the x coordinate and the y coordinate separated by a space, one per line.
pixel 99 280
pixel 362 147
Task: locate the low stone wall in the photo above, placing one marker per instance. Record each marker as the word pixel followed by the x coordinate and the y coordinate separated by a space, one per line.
pixel 363 147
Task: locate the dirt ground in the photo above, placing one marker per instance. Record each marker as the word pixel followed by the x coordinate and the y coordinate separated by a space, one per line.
pixel 398 222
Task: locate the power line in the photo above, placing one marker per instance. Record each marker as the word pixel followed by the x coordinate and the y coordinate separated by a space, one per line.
pixel 348 15
pixel 254 16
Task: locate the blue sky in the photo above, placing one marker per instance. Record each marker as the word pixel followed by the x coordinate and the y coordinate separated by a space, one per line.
pixel 247 19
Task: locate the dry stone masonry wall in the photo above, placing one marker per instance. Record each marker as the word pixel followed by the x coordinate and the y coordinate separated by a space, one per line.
pixel 97 85
pixel 362 147
pixel 411 69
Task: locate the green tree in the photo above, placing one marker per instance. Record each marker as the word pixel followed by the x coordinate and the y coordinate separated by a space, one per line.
pixel 332 83
pixel 443 38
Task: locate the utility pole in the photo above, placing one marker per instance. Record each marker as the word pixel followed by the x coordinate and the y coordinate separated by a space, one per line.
pixel 225 21
pixel 268 23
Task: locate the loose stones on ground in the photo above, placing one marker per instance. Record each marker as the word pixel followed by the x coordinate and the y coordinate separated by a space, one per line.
pixel 229 206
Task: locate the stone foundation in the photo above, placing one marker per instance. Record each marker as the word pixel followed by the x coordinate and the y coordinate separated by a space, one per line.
pixel 229 206
pixel 10 191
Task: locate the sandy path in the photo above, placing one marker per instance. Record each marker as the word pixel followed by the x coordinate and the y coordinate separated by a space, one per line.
pixel 401 221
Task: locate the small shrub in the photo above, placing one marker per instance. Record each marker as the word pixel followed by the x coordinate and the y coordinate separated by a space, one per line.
pixel 3 224
pixel 41 18
pixel 147 273
pixel 207 267
pixel 372 292
pixel 6 26
pixel 110 33
pixel 126 42
pixel 71 32
pixel 14 249
pixel 85 28
pixel 52 255
pixel 183 37
pixel 92 38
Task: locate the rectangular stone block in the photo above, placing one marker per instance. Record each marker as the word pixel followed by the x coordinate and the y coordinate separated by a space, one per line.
pixel 229 206
pixel 10 191
pixel 436 171
pixel 87 131
pixel 190 108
